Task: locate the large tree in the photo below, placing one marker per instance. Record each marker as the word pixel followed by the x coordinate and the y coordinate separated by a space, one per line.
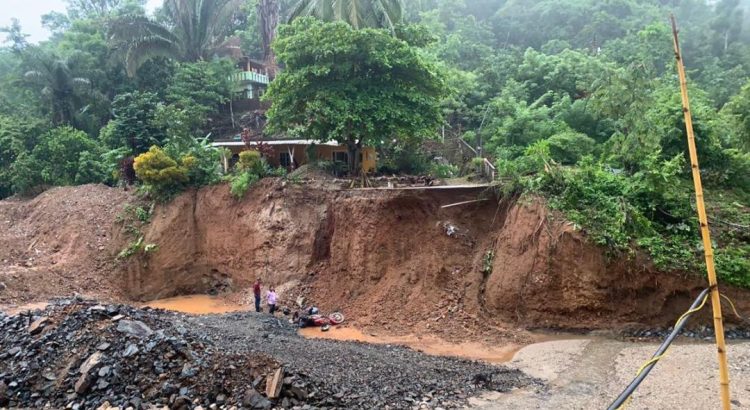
pixel 357 13
pixel 193 30
pixel 55 78
pixel 357 87
pixel 268 18
pixel 83 9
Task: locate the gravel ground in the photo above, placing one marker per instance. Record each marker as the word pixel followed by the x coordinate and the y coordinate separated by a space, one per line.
pixel 363 375
pixel 79 354
pixel 589 374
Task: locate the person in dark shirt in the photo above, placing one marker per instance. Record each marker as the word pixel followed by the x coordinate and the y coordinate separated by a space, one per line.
pixel 256 293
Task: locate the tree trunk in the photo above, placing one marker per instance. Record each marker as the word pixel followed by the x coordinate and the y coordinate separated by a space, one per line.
pixel 231 111
pixel 353 149
pixel 726 40
pixel 268 14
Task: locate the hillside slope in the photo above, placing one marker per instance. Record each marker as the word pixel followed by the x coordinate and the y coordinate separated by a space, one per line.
pixel 383 257
pixel 59 243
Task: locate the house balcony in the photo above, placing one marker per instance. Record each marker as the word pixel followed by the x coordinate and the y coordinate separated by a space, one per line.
pixel 250 77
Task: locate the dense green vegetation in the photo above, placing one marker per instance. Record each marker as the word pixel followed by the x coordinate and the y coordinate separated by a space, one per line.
pixel 352 86
pixel 576 100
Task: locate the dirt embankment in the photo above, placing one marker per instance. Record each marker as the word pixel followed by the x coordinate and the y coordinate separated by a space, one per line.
pixel 386 258
pixel 59 243
pixel 393 260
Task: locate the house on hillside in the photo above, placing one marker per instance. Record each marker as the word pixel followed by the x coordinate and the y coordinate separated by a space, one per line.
pixel 291 154
pixel 252 80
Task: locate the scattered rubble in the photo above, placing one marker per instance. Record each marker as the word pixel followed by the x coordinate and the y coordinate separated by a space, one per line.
pixel 349 375
pixel 74 356
pixel 79 358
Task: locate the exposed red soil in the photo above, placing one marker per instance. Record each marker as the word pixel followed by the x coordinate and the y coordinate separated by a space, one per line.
pixel 59 243
pixel 384 258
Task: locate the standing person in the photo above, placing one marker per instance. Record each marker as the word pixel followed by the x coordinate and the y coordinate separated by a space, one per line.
pixel 256 293
pixel 271 300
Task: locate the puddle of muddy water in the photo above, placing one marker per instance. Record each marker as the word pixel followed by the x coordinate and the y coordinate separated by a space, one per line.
pixel 432 345
pixel 197 305
pixel 427 344
pixel 13 310
pixel 435 346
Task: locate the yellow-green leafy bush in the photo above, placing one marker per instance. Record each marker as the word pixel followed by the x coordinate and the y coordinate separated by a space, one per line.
pixel 160 174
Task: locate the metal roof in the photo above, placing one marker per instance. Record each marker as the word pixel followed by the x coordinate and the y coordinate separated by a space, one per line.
pixel 274 142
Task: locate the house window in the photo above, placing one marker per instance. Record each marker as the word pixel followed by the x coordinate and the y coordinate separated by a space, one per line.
pixel 341 157
pixel 285 160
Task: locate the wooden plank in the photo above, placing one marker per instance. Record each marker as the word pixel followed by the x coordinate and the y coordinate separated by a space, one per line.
pixel 273 384
pixel 464 203
pixel 426 188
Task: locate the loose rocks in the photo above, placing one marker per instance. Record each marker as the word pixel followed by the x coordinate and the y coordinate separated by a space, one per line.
pixel 134 328
pixel 82 359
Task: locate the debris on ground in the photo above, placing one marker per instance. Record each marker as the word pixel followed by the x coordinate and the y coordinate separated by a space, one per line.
pixel 74 355
pixel 80 354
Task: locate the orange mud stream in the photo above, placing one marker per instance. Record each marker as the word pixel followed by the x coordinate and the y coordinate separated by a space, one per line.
pixel 12 310
pixel 197 305
pixel 426 344
pixel 432 345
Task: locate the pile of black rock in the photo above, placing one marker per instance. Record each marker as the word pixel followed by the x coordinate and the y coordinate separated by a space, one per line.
pixel 82 355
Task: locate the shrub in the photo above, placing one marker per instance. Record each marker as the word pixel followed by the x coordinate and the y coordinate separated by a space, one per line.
pixel 278 172
pixel 397 158
pixel 91 168
pixel 250 161
pixel 241 183
pixel 161 175
pixel 18 135
pixel 733 264
pixel 438 170
pixel 516 161
pixel 134 124
pixel 736 169
pixel 617 210
pixel 311 152
pixel 25 173
pixel 64 156
pixel 251 167
pixel 569 147
pixel 199 157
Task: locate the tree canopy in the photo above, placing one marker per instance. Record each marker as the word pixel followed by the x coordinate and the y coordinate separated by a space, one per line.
pixel 192 30
pixel 357 13
pixel 575 100
pixel 357 87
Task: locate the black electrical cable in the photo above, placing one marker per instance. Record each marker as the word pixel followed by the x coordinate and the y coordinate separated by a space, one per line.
pixel 660 351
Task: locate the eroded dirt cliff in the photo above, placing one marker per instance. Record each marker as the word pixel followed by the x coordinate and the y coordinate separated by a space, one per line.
pixel 391 259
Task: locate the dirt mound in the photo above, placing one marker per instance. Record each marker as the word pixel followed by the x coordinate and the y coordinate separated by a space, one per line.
pixel 60 242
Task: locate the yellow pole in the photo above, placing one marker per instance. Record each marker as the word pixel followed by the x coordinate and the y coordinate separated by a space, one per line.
pixel 707 247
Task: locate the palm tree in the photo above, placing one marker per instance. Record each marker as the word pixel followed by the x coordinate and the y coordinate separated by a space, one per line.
pixel 194 30
pixel 59 86
pixel 357 13
pixel 268 13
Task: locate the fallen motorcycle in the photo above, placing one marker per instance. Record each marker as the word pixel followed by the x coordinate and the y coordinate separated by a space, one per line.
pixel 312 318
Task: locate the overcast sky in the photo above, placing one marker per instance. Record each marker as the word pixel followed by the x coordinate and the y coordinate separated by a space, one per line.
pixel 29 13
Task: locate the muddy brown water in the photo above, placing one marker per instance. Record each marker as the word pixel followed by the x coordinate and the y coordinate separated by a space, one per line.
pixel 197 305
pixel 428 344
pixel 432 345
pixel 16 309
